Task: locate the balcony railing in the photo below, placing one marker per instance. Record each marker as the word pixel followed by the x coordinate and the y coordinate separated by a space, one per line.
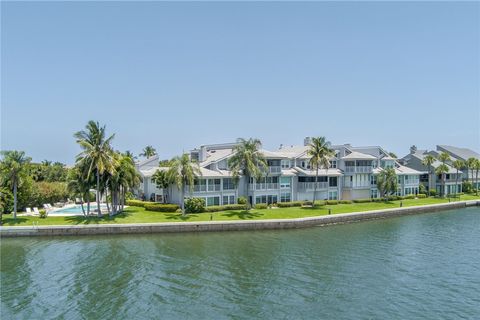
pixel 203 188
pixel 359 169
pixel 263 186
pixel 213 187
pixel 411 181
pixel 310 186
pixel 275 169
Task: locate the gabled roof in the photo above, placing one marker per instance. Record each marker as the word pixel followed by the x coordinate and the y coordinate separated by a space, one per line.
pixel 215 156
pixel 147 161
pixel 460 153
pixel 274 154
pixel 321 172
pixel 354 155
pixel 151 171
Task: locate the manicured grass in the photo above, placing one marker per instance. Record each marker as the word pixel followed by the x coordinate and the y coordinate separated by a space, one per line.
pixel 140 215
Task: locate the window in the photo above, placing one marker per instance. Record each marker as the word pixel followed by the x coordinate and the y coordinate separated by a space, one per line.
pixel 285 197
pixel 228 184
pixel 333 164
pixel 285 164
pixel 228 200
pixel 332 195
pixel 374 193
pixel 158 198
pixel 285 182
pixel 269 199
pixel 213 201
pixel 213 184
pixel 373 180
pixel 333 182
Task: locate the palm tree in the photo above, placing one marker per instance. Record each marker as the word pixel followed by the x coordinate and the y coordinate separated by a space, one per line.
pixel 248 161
pixel 148 152
pixel 97 153
pixel 163 180
pixel 428 161
pixel 476 167
pixel 393 155
pixel 184 171
pixel 320 154
pixel 124 178
pixel 470 163
pixel 457 164
pixel 442 170
pixel 78 186
pixel 387 183
pixel 130 154
pixel 13 167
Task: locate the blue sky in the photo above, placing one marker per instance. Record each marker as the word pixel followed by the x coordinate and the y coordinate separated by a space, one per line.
pixel 177 75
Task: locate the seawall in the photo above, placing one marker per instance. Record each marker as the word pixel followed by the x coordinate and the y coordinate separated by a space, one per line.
pixel 168 227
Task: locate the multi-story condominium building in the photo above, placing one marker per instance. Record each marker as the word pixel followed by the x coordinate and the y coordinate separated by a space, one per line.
pixel 431 180
pixel 462 154
pixel 289 177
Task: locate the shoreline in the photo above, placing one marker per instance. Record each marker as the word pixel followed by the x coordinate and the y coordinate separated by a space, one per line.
pixel 209 226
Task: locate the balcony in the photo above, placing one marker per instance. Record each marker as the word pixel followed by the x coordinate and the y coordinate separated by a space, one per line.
pixel 203 188
pixel 275 169
pixel 411 181
pixel 263 186
pixel 310 186
pixel 359 169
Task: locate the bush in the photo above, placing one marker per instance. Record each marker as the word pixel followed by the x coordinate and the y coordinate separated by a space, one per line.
pixel 43 214
pixel 161 207
pixel 137 203
pixel 409 197
pixel 261 206
pixel 6 200
pixel 467 186
pixel 289 204
pixel 432 193
pixel 194 205
pixel 362 200
pixel 392 198
pixel 422 189
pixel 345 201
pixel 48 192
pixel 421 196
pixel 242 200
pixel 225 207
pixel 331 202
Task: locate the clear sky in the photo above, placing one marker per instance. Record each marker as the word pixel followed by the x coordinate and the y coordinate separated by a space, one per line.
pixel 178 75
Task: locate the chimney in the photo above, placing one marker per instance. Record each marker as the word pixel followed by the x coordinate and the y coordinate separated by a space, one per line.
pixel 307 141
pixel 281 146
pixel 413 149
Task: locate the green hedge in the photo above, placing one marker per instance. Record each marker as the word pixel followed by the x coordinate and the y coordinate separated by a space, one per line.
pixel 331 202
pixel 225 207
pixel 261 206
pixel 432 193
pixel 421 196
pixel 362 200
pixel 137 203
pixel 345 202
pixel 194 205
pixel 161 207
pixel 289 204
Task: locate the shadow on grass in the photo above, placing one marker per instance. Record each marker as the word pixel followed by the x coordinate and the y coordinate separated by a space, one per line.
pixel 94 219
pixel 244 214
pixel 179 217
pixel 12 222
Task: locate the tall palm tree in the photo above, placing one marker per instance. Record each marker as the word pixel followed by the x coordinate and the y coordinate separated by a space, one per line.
pixel 476 167
pixel 148 152
pixel 184 171
pixel 163 180
pixel 457 164
pixel 442 170
pixel 428 161
pixel 79 186
pixel 248 161
pixel 320 154
pixel 97 153
pixel 130 154
pixel 124 178
pixel 13 167
pixel 469 164
pixel 387 182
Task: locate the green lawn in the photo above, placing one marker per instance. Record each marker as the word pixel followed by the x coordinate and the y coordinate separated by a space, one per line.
pixel 139 215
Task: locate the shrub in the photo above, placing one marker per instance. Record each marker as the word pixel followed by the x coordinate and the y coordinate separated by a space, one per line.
pixel 307 203
pixel 48 192
pixel 161 207
pixel 467 186
pixel 225 207
pixel 331 202
pixel 392 198
pixel 6 200
pixel 421 196
pixel 362 200
pixel 432 193
pixel 345 201
pixel 43 214
pixel 194 205
pixel 289 204
pixel 137 203
pixel 422 189
pixel 410 196
pixel 261 206
pixel 242 200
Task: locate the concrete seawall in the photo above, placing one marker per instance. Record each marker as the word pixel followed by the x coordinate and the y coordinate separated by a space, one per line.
pixel 168 227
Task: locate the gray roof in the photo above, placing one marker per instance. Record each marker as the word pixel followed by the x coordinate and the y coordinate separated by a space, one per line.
pixel 460 153
pixel 359 156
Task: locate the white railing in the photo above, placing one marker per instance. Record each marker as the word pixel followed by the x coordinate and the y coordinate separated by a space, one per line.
pixel 213 187
pixel 411 181
pixel 359 169
pixel 275 169
pixel 263 186
pixel 310 186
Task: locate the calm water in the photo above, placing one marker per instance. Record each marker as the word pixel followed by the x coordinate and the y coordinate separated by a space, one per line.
pixel 417 267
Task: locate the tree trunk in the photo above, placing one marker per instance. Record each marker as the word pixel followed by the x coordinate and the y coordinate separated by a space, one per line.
pixel 315 187
pixel 182 200
pixel 99 211
pixel 15 200
pixel 247 182
pixel 456 183
pixel 476 182
pixel 81 204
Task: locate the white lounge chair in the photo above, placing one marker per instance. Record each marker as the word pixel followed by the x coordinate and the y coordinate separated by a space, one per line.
pixel 28 211
pixel 35 210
